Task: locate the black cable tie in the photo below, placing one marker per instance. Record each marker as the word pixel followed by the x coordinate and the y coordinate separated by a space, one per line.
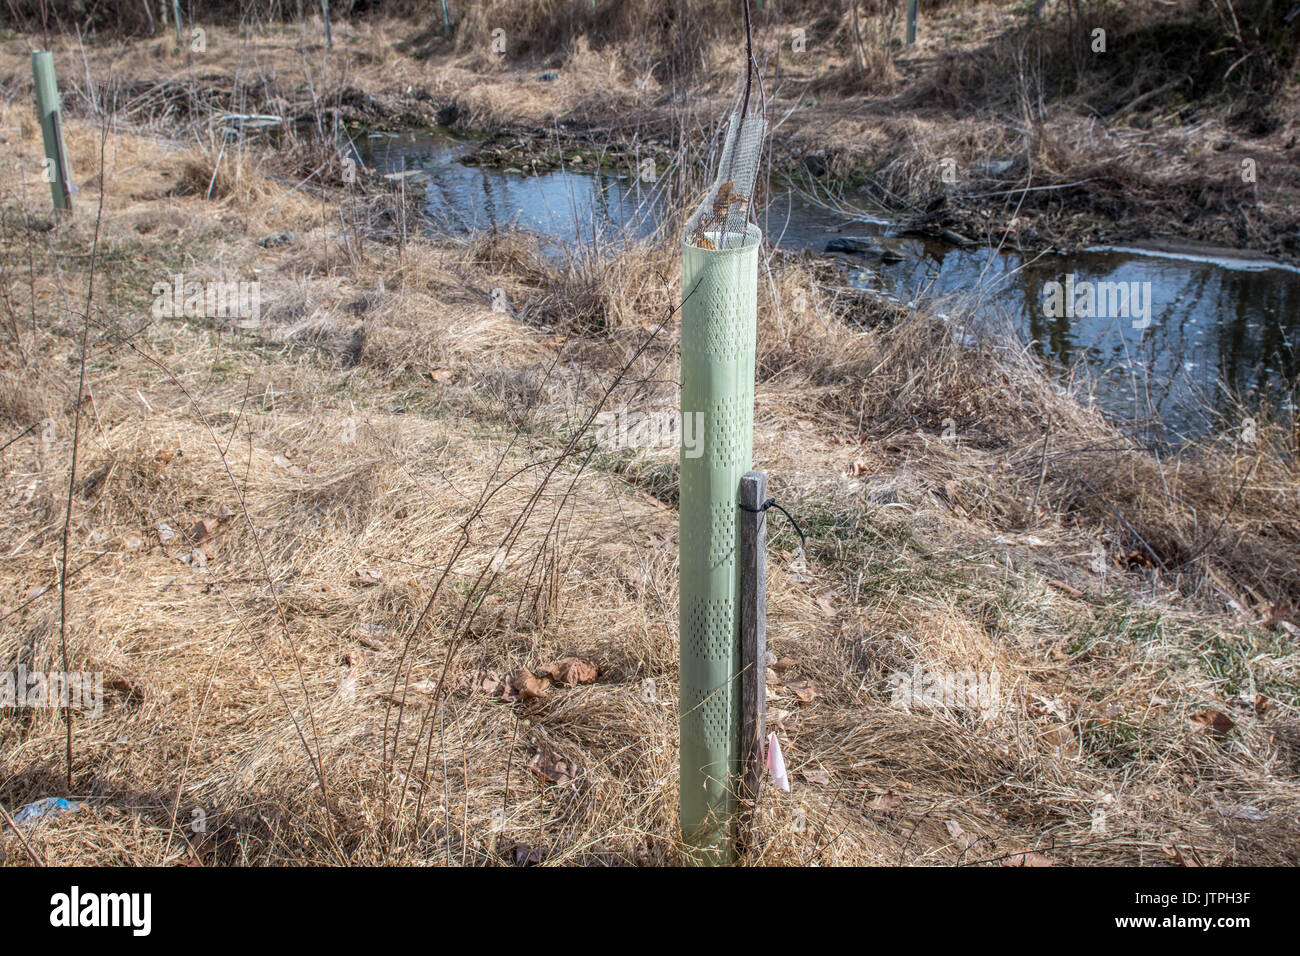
pixel 771 503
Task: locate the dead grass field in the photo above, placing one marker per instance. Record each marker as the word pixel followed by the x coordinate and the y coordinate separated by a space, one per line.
pixel 1048 144
pixel 306 554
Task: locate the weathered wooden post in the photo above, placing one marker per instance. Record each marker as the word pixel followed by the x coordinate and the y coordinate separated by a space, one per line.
pixel 51 117
pixel 911 21
pixel 753 644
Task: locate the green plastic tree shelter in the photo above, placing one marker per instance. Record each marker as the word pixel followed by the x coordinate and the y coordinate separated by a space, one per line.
pixel 911 21
pixel 719 312
pixel 51 117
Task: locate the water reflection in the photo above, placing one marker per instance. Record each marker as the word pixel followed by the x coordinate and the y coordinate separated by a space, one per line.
pixel 565 205
pixel 1215 326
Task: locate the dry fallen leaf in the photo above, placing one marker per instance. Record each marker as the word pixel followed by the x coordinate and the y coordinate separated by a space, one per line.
pixel 298 471
pixel 357 659
pixel 571 671
pixel 959 836
pixel 367 578
pixel 820 777
pixel 204 529
pixel 525 855
pixel 886 801
pixel 1062 739
pixel 1028 858
pixel 1134 559
pixel 528 687
pixel 1214 722
pixel 552 767
pixel 803 689
pixel 494 686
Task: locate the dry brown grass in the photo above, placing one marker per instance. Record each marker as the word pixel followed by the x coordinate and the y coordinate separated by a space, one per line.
pixel 982 83
pixel 344 447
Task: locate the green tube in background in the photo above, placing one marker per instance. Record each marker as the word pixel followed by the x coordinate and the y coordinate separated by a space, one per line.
pixel 911 21
pixel 719 313
pixel 47 110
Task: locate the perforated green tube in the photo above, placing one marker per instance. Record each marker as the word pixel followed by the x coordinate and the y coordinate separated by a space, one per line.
pixel 50 116
pixel 719 311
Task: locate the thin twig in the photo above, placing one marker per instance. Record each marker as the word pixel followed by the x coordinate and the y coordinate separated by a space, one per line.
pixel 72 470
pixel 21 839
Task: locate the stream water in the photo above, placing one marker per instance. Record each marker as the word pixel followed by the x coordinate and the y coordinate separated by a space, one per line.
pixel 1164 350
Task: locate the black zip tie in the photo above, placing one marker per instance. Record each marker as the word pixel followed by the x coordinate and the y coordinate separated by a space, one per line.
pixel 771 503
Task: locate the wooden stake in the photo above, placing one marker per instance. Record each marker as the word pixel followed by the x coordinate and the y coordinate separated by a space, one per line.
pixel 753 644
